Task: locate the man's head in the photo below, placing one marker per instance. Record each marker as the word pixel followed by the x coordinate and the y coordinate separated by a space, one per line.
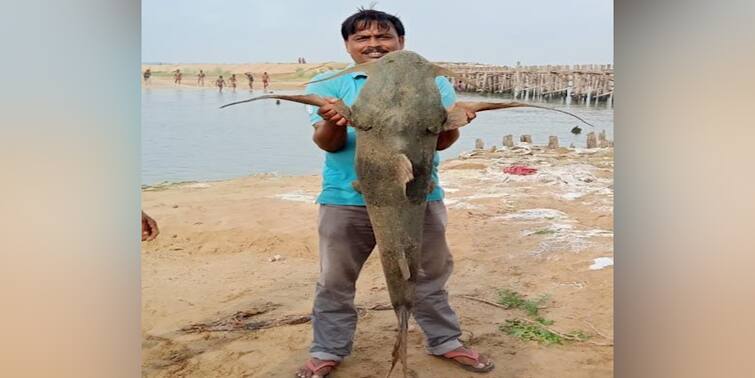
pixel 369 34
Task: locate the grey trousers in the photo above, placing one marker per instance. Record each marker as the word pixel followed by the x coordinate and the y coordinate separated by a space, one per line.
pixel 346 240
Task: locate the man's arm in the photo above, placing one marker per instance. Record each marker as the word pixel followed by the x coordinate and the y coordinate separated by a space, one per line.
pixel 446 139
pixel 329 136
pixel 149 228
pixel 448 98
pixel 330 133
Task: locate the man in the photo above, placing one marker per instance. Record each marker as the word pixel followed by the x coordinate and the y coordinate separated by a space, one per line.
pixel 233 82
pixel 177 77
pixel 265 81
pixel 200 78
pixel 346 236
pixel 250 77
pixel 147 75
pixel 220 83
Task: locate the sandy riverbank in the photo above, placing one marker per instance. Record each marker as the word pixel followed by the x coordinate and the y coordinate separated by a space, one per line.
pixel 536 234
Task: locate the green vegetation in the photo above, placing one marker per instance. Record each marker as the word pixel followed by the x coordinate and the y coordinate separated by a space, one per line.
pixel 511 299
pixel 535 328
pixel 536 331
pixel 545 231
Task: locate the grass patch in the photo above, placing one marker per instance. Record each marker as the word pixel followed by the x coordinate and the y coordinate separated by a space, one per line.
pixel 545 231
pixel 536 331
pixel 536 327
pixel 511 299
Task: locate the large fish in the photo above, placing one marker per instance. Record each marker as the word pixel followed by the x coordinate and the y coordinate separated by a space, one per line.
pixel 398 116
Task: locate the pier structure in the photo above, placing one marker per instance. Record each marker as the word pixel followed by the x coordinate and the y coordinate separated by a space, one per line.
pixel 582 84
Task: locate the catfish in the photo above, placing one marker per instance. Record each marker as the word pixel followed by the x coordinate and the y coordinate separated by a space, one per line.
pixel 398 117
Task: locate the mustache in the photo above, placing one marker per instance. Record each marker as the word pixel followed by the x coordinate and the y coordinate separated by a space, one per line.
pixel 371 50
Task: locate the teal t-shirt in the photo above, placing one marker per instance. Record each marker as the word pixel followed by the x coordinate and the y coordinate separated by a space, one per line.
pixel 339 170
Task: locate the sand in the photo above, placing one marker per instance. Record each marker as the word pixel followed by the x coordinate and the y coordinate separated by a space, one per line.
pixel 238 253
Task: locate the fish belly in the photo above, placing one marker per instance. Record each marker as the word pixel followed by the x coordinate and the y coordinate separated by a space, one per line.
pixel 398 232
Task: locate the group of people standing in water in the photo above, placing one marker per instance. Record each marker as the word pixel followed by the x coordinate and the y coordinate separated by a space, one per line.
pixel 220 83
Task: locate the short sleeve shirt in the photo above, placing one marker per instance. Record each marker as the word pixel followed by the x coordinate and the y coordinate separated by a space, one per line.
pixel 339 170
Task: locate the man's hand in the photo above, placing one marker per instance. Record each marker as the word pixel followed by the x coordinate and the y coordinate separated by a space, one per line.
pixel 149 228
pixel 471 115
pixel 329 113
pixel 449 137
pixel 330 133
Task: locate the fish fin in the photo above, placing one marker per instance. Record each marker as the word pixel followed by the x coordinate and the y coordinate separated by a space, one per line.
pixel 442 71
pixel 358 187
pixel 457 116
pixel 399 348
pixel 303 99
pixel 404 171
pixel 363 67
pixel 310 99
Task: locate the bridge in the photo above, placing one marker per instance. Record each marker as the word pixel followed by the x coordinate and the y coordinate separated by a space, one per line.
pixel 584 84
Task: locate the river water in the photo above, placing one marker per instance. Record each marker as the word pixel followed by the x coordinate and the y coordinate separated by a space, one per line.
pixel 185 137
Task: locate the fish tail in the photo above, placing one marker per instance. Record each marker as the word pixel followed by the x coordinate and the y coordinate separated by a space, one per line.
pixel 399 348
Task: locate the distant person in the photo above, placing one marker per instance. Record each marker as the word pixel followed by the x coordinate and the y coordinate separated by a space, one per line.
pixel 200 78
pixel 233 82
pixel 147 75
pixel 177 77
pixel 250 77
pixel 220 83
pixel 265 81
pixel 149 228
pixel 304 61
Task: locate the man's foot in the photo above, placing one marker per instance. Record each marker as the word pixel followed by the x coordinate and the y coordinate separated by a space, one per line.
pixel 469 360
pixel 315 368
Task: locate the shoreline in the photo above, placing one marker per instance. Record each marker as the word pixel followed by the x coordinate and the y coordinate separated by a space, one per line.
pixel 167 183
pixel 163 83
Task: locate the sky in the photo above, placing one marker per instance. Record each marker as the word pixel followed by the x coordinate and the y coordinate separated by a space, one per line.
pixel 533 32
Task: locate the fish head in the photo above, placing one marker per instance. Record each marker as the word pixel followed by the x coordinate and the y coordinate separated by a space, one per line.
pixel 403 58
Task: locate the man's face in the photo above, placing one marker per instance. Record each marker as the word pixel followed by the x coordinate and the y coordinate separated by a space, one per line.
pixel 373 42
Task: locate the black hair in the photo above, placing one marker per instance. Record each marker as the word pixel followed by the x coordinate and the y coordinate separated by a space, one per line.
pixel 363 18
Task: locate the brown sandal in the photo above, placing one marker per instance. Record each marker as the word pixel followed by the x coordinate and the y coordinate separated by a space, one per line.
pixel 313 368
pixel 472 355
